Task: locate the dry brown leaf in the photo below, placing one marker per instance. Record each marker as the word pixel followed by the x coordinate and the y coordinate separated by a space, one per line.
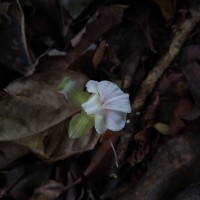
pixel 37 116
pixel 103 20
pixel 35 105
pixel 49 62
pixel 14 52
pixel 104 52
pixel 54 143
pixel 49 191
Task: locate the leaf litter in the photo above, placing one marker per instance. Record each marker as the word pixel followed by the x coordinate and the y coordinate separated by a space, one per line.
pixel 149 48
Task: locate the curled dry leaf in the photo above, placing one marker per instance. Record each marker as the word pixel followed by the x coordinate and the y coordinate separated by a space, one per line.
pixel 129 67
pixel 51 61
pixel 14 51
pixel 104 52
pixel 35 115
pixel 99 53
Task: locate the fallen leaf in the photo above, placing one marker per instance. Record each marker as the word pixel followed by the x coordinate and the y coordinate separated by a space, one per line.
pixel 37 116
pixel 14 51
pixel 35 105
pixel 49 62
pixel 54 143
pixel 49 191
pixel 104 52
pixel 102 21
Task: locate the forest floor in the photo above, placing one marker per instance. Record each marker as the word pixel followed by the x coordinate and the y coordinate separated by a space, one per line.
pixel 150 49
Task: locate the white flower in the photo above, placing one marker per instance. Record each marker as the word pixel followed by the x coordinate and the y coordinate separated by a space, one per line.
pixel 106 108
pixel 109 105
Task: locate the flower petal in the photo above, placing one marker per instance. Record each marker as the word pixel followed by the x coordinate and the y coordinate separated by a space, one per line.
pixel 92 86
pixel 108 90
pixel 93 106
pixel 115 120
pixel 99 124
pixel 118 103
pixel 110 105
pixel 80 125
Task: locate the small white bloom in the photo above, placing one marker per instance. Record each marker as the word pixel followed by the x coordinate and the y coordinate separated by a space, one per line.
pixel 108 104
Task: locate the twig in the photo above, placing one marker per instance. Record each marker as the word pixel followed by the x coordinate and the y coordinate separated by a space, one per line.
pixel 180 36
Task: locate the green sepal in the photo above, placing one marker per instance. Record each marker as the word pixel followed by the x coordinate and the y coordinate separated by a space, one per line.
pixel 72 92
pixel 80 125
pixel 63 83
